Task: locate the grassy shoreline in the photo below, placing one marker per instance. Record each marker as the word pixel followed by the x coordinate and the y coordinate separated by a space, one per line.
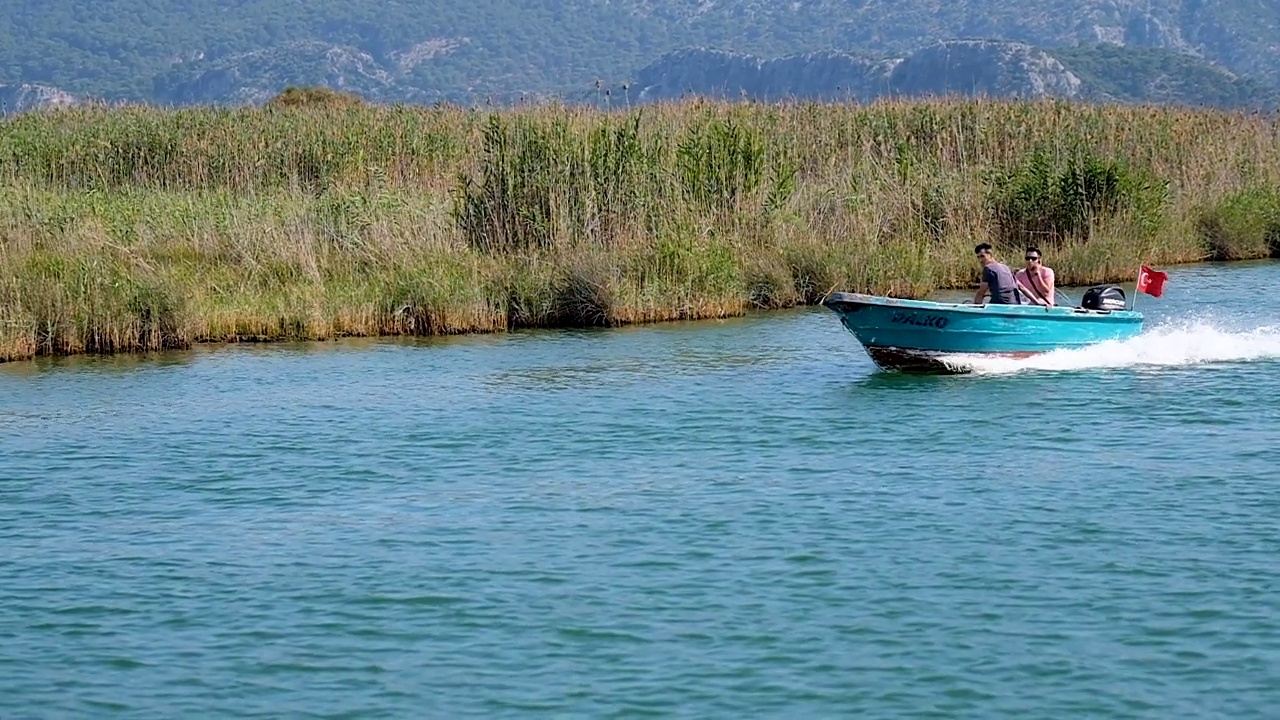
pixel 133 229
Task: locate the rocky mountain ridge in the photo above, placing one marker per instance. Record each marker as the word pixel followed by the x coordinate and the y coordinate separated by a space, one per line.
pixel 959 67
pixel 965 67
pixel 27 96
pixel 970 67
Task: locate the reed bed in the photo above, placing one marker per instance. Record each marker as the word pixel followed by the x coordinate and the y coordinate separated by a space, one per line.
pixel 140 228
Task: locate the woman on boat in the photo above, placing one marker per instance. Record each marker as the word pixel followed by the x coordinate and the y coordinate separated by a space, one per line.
pixel 1036 281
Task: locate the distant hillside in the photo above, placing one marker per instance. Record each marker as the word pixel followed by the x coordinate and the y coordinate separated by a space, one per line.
pixel 173 51
pixel 967 67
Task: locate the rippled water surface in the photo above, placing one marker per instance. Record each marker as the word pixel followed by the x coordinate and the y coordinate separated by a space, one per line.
pixel 719 519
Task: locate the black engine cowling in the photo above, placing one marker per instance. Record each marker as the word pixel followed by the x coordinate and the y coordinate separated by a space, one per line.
pixel 1103 297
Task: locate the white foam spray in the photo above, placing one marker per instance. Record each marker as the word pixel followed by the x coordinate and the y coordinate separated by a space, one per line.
pixel 1194 342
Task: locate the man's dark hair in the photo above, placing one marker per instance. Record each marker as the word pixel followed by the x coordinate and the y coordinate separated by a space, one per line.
pixel 983 247
pixel 1035 250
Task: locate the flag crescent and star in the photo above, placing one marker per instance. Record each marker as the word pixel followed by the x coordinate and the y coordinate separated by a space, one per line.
pixel 1151 281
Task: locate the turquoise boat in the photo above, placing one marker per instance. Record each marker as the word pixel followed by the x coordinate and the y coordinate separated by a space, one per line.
pixel 919 335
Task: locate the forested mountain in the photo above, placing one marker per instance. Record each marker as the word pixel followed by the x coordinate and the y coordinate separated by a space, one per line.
pixel 173 51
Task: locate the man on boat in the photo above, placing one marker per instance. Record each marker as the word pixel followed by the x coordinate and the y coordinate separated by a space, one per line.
pixel 1036 280
pixel 996 279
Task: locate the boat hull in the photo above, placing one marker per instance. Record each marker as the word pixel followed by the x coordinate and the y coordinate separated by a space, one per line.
pixel 918 335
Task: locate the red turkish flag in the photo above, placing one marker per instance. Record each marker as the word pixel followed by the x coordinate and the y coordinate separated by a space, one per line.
pixel 1151 281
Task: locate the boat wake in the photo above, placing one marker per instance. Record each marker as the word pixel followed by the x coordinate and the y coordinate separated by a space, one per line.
pixel 1171 345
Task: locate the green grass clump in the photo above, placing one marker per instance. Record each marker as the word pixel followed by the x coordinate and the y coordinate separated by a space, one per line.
pixel 139 228
pixel 1243 225
pixel 1060 200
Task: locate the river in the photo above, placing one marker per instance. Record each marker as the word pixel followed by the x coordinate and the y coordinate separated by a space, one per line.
pixel 713 519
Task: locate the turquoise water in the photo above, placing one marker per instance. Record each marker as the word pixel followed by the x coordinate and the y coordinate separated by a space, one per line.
pixel 717 519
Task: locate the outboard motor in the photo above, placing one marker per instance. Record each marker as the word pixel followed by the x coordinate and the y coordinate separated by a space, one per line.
pixel 1103 297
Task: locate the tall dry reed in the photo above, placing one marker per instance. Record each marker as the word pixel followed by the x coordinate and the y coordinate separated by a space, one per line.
pixel 138 228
